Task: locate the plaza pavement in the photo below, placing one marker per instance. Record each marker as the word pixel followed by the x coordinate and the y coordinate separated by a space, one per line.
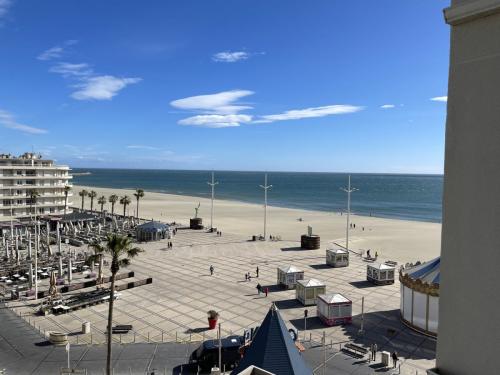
pixel 173 308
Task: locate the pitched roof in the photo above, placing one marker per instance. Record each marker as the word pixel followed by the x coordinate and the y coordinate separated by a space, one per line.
pixel 290 269
pixel 334 298
pixel 381 266
pixel 273 349
pixel 310 283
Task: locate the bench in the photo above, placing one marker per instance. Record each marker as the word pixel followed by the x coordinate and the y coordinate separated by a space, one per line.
pixel 121 328
pixel 355 350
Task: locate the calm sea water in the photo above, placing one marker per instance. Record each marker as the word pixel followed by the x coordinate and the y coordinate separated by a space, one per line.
pixel 412 197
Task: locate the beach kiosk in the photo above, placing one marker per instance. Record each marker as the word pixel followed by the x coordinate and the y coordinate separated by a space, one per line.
pixel 420 296
pixel 380 273
pixel 288 276
pixel 334 309
pixel 337 257
pixel 307 291
pixel 152 231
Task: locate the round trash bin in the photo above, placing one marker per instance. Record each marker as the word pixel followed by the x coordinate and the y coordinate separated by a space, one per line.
pixel 86 327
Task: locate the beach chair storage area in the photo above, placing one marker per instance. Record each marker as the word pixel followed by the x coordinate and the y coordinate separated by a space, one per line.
pixel 334 309
pixel 337 257
pixel 288 276
pixel 307 291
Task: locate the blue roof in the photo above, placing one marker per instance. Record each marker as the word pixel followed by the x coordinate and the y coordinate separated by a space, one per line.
pixel 273 349
pixel 152 226
pixel 428 272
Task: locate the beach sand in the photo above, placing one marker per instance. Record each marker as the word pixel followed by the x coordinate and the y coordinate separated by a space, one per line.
pixel 400 240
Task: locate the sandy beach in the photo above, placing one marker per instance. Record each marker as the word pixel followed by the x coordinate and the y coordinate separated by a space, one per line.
pixel 401 240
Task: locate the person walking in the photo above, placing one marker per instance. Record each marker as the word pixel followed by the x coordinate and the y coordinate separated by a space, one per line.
pixel 394 359
pixel 257 271
pixel 266 290
pixel 246 276
pixel 259 288
pixel 211 270
pixel 375 348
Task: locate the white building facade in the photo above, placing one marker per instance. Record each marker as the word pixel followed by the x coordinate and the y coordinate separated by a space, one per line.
pixel 21 176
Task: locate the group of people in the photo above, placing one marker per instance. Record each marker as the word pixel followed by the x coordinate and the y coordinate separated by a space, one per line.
pixel 369 256
pixel 373 355
pixel 248 277
pixel 219 233
pixel 170 244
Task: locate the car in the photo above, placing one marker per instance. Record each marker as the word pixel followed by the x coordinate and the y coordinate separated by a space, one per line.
pixel 207 355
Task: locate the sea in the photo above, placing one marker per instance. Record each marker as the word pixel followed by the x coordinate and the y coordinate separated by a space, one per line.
pixel 398 196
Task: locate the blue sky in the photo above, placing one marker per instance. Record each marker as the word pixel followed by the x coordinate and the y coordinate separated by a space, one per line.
pixel 324 85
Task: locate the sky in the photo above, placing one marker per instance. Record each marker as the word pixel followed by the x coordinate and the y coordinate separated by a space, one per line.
pixel 324 85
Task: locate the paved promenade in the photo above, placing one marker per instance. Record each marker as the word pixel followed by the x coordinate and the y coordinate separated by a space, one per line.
pixel 173 308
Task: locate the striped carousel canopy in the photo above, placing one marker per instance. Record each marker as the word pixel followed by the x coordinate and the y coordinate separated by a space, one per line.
pixel 428 272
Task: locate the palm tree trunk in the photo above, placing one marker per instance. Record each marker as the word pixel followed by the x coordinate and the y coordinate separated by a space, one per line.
pixel 82 202
pixel 65 203
pixel 112 208
pixel 91 204
pixel 102 207
pixel 124 208
pixel 110 323
pixel 137 213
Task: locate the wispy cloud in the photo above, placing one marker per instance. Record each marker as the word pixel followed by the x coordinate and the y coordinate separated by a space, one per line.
pixel 221 110
pixel 297 114
pixel 387 106
pixel 230 56
pixel 8 120
pixel 143 147
pixel 439 99
pixel 216 121
pixel 220 103
pixel 101 87
pixel 4 7
pixel 68 70
pixel 55 52
pixel 89 85
pixel 218 110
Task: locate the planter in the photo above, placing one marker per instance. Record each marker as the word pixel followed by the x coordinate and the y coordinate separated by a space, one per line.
pixel 310 242
pixel 212 323
pixel 58 338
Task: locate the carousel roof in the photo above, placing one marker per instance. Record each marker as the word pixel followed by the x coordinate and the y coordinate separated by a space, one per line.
pixel 428 272
pixel 310 283
pixel 272 349
pixel 290 269
pixel 152 226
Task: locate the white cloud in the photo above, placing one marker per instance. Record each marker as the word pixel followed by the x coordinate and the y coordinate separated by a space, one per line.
pixel 55 52
pixel 297 114
pixel 387 106
pixel 220 103
pixel 440 99
pixel 142 147
pixel 7 120
pixel 4 7
pixel 72 70
pixel 216 121
pixel 230 56
pixel 101 87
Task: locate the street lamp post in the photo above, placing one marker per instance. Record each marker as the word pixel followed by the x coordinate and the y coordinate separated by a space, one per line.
pixel 212 185
pixel 265 187
pixel 349 190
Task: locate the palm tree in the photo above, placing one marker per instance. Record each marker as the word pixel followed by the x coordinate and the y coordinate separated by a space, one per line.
pixel 33 194
pixel 113 199
pixel 92 195
pixel 125 200
pixel 83 194
pixel 67 189
pixel 102 201
pixel 121 250
pixel 139 193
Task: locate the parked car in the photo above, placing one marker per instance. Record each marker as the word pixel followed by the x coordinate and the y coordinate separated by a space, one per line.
pixel 207 355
